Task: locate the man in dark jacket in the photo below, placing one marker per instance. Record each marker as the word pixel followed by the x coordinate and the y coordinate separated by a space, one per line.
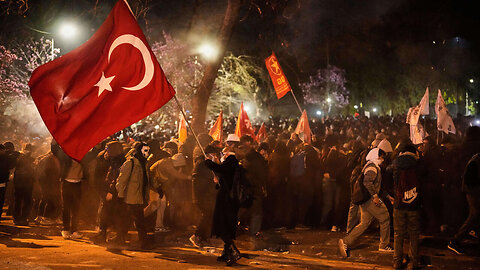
pixel 471 186
pixel 23 183
pixel 225 216
pixel 111 208
pixel 4 174
pixel 406 212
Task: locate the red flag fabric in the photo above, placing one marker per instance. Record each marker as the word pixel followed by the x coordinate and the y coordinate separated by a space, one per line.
pixel 244 126
pixel 216 132
pixel 262 133
pixel 280 83
pixel 108 83
pixel 303 129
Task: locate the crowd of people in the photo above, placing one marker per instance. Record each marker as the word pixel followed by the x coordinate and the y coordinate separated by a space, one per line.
pixel 354 171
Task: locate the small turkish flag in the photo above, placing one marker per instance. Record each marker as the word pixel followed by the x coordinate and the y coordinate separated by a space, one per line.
pixel 108 83
pixel 217 129
pixel 244 126
pixel 303 129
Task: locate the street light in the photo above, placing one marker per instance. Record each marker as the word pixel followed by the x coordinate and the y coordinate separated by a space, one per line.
pixel 374 109
pixel 471 80
pixel 319 112
pixel 329 100
pixel 68 30
pixel 355 107
pixel 208 50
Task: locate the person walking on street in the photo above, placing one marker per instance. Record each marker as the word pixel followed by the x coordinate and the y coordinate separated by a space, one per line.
pixel 226 209
pixel 373 208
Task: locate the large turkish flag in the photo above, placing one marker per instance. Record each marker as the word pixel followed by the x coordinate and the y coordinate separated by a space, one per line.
pixel 110 82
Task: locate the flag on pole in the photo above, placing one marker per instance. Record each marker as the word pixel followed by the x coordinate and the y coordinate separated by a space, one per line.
pixel 424 107
pixel 303 128
pixel 108 83
pixel 444 119
pixel 182 129
pixel 262 133
pixel 417 133
pixel 244 126
pixel 216 132
pixel 280 83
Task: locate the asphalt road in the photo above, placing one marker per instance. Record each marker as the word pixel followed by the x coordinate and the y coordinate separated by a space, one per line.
pixel 42 247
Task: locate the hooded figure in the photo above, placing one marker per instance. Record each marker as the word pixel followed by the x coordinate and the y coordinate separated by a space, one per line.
pixel 132 187
pixel 373 208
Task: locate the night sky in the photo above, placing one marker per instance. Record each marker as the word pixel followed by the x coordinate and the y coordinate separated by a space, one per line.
pixel 305 34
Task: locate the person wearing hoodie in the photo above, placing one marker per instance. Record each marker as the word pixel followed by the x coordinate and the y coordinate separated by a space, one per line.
pixel 406 206
pixel 133 189
pixel 373 208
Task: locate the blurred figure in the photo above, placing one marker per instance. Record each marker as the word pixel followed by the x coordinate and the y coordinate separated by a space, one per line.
pixel 23 181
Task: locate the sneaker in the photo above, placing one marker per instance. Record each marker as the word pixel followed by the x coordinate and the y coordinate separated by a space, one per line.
pixel 76 235
pixel 196 242
pixel 66 235
pixel 335 229
pixel 453 246
pixel 343 248
pixel 387 248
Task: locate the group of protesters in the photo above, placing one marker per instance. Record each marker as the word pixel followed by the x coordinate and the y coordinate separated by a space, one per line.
pixel 161 184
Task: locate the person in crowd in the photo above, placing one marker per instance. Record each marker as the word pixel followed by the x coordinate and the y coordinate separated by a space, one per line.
pixel 407 189
pixel 226 209
pixel 133 190
pixel 47 170
pixel 4 174
pixel 471 187
pixel 256 167
pixel 110 211
pixel 71 174
pixel 204 192
pixel 373 208
pixel 23 181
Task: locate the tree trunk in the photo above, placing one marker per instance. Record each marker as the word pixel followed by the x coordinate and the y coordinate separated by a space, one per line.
pixel 201 97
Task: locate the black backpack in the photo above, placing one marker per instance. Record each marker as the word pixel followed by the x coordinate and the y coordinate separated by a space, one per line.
pixel 360 194
pixel 242 190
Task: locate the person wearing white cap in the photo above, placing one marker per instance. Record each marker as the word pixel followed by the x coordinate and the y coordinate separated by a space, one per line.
pixel 225 214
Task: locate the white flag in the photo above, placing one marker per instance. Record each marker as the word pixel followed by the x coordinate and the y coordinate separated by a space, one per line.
pixel 424 104
pixel 417 133
pixel 413 115
pixel 444 120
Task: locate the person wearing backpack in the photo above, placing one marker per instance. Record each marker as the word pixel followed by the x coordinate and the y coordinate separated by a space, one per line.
pixel 225 215
pixel 406 206
pixel 371 208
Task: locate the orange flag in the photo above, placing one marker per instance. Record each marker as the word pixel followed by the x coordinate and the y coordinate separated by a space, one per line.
pixel 280 83
pixel 182 130
pixel 217 129
pixel 262 133
pixel 244 126
pixel 303 129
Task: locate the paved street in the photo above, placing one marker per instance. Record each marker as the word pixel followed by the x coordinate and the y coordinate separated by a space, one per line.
pixel 41 247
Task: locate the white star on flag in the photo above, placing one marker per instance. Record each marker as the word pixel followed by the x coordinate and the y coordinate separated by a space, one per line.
pixel 104 84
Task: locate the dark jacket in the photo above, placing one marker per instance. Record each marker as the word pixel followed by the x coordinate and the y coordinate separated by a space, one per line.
pixel 257 172
pixel 203 185
pixel 406 170
pixel 24 172
pixel 110 182
pixel 226 211
pixel 471 175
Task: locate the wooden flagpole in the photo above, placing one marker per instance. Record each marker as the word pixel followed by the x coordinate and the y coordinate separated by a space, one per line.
pixel 296 101
pixel 188 124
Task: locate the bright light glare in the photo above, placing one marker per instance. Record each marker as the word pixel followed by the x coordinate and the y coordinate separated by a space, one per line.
pixel 319 112
pixel 246 108
pixel 355 107
pixel 471 80
pixel 208 50
pixel 329 100
pixel 477 122
pixel 374 110
pixel 68 31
